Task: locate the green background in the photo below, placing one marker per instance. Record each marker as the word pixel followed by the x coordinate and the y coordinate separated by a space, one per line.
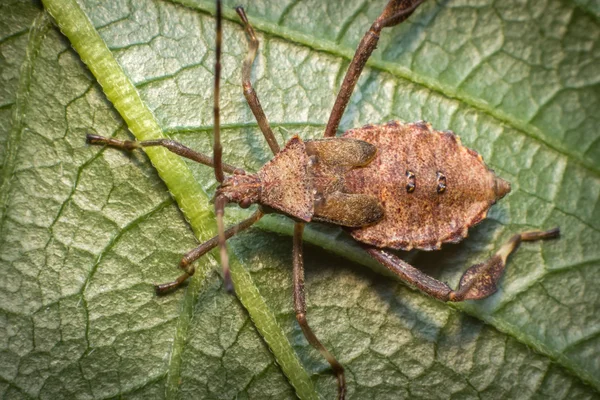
pixel 85 231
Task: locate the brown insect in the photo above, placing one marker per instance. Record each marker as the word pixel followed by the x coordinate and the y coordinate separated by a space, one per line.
pixel 397 186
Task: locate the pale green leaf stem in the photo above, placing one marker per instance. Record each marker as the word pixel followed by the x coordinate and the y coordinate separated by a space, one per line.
pixel 183 187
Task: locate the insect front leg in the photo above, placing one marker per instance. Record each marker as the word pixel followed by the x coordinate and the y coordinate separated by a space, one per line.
pixel 394 13
pixel 300 309
pixel 191 256
pixel 169 144
pixel 249 92
pixel 478 282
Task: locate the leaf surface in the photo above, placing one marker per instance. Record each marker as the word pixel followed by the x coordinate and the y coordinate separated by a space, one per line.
pixel 85 231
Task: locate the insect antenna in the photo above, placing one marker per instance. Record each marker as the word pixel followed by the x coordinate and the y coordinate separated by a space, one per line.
pixel 220 201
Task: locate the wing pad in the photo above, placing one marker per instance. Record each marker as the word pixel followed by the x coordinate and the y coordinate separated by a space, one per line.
pixel 350 210
pixel 341 151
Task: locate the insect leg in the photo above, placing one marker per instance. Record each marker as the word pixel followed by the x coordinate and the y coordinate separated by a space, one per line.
pixel 300 308
pixel 191 256
pixel 478 282
pixel 394 13
pixel 249 92
pixel 220 202
pixel 169 144
pixel 217 148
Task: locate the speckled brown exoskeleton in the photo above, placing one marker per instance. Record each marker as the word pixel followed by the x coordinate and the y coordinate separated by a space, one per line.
pixel 392 186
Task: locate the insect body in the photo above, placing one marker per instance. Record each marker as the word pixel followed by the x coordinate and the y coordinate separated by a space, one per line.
pixel 305 181
pixel 397 186
pixel 354 182
pixel 446 188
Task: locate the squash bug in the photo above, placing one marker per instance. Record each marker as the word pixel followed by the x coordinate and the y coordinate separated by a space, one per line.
pixel 392 186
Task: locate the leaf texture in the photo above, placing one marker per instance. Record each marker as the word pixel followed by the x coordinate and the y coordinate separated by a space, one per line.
pixel 85 231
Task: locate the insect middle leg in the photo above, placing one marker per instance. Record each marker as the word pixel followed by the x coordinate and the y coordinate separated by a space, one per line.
pixel 169 144
pixel 478 282
pixel 249 92
pixel 300 309
pixel 186 262
pixel 394 13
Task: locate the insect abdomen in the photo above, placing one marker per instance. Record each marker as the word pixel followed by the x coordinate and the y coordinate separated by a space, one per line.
pixel 432 188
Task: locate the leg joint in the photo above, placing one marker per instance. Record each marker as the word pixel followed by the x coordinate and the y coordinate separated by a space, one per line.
pixel 248 89
pixel 301 318
pixel 454 297
pixel 186 265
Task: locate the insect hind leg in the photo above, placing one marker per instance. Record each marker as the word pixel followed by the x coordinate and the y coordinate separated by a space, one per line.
pixel 478 282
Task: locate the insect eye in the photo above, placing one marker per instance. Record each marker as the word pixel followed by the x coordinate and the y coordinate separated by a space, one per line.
pixel 411 183
pixel 441 178
pixel 245 203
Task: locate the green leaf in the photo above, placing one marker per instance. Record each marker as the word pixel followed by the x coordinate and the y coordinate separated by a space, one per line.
pixel 85 231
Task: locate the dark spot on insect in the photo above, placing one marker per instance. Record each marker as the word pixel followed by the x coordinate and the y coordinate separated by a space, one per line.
pixel 423 125
pixel 245 203
pixel 393 124
pixel 450 135
pixel 368 126
pixel 441 178
pixel 411 183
